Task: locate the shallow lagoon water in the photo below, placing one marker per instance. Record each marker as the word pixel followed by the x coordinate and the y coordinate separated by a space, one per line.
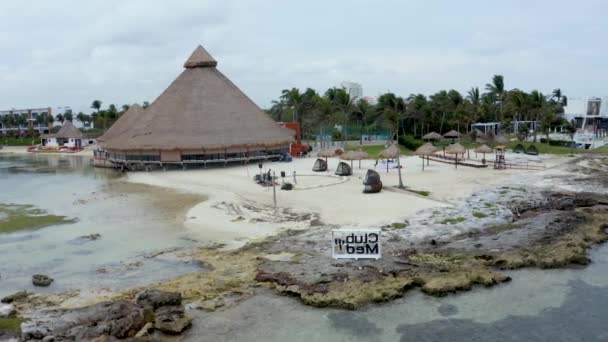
pixel 133 221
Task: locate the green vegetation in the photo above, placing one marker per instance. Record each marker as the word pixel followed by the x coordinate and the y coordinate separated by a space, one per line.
pixel 420 192
pixel 479 214
pixel 502 228
pixel 489 205
pixel 398 225
pixel 374 150
pixel 21 141
pixel 453 220
pixel 14 217
pixel 11 325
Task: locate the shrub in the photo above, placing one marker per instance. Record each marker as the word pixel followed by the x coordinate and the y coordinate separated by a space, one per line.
pixel 410 142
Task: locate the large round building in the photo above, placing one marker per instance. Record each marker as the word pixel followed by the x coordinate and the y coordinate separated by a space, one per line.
pixel 202 117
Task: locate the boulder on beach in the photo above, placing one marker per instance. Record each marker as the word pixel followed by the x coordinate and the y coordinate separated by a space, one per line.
pixel 41 280
pixel 155 299
pixel 120 319
pixel 15 297
pixel 172 320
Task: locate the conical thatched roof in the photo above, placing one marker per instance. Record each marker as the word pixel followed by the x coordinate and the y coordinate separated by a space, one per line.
pixel 432 136
pixel 361 154
pixel 354 155
pixel 200 58
pixel 452 134
pixel 68 130
pixel 326 153
pixel 390 152
pixel 426 150
pixel 127 120
pixel 202 110
pixel 484 149
pixel 455 149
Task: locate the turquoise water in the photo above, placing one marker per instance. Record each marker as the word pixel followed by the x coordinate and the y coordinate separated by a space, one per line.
pixel 131 220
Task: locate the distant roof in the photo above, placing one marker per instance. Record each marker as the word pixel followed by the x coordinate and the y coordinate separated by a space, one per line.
pixel 67 131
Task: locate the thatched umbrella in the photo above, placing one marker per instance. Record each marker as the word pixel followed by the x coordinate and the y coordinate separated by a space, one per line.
pixel 326 154
pixel 390 152
pixel 361 155
pixel 432 137
pixel 484 149
pixel 425 150
pixel 455 149
pixel 350 155
pixel 452 134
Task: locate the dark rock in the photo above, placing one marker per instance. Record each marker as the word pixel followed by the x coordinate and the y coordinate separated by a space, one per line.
pixel 91 237
pixel 41 280
pixel 172 319
pixel 119 319
pixel 154 299
pixel 447 310
pixel 15 297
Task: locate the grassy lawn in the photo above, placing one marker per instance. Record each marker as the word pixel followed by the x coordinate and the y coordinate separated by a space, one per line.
pixel 19 141
pixel 374 150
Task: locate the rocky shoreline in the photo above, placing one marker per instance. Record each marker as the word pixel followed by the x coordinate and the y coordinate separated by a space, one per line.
pixel 438 251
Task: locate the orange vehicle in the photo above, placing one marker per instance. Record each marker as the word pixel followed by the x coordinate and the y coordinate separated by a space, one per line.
pixel 296 149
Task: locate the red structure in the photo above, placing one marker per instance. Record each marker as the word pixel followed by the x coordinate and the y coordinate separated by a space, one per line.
pixel 296 149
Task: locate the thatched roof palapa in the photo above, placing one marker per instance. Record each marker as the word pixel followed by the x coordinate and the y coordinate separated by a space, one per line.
pixel 452 134
pixel 390 152
pixel 426 150
pixel 126 121
pixel 202 110
pixel 484 149
pixel 68 130
pixel 326 153
pixel 455 149
pixel 432 136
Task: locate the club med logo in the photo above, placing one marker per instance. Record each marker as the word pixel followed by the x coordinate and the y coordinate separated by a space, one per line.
pixel 356 244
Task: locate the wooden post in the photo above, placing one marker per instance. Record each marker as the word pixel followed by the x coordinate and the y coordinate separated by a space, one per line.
pixel 274 189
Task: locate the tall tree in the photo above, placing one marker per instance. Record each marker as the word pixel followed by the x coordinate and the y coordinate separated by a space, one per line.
pixel 393 108
pixel 497 90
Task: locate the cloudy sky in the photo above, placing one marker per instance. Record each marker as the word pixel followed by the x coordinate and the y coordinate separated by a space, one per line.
pixel 68 53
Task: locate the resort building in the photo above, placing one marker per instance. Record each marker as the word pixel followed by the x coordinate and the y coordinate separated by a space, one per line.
pixel 201 118
pixel 22 120
pixel 68 136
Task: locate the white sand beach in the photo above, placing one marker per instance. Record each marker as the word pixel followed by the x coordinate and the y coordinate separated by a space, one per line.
pixel 235 200
pixel 87 151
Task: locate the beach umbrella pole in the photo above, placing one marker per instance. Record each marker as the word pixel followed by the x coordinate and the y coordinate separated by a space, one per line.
pixel 422 163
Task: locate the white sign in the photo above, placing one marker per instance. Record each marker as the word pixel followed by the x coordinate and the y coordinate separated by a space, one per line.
pixel 356 244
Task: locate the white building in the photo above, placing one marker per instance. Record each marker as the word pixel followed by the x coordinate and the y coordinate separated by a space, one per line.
pixel 355 90
pixel 68 136
pixel 31 116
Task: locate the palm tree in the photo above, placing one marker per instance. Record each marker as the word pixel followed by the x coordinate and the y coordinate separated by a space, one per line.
pixel 475 98
pixel 96 105
pixel 60 118
pixel 68 116
pixel 393 108
pixel 538 103
pixel 497 90
pixel 343 103
pixel 145 105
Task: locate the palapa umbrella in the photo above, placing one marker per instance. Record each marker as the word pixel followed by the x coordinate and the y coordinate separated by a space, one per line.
pixel 326 154
pixel 455 149
pixel 452 134
pixel 390 152
pixel 432 137
pixel 426 150
pixel 361 155
pixel 350 155
pixel 484 149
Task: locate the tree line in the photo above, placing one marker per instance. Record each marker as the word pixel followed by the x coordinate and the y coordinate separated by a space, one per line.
pixel 419 114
